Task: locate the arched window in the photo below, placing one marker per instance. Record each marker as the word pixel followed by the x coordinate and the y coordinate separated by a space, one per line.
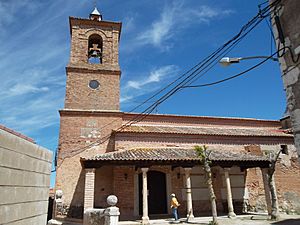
pixel 95 49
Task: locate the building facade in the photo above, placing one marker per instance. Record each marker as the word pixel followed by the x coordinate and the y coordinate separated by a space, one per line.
pixel 102 152
pixel 285 21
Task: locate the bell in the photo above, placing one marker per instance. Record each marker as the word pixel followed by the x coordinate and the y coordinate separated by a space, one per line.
pixel 94 54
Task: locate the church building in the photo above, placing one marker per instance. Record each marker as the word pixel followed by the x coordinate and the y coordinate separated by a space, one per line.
pixel 101 152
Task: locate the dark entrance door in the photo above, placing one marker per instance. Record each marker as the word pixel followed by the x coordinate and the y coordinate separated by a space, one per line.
pixel 157 198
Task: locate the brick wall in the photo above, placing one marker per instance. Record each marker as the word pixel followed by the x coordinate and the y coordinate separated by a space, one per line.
pixel 90 115
pixel 287 181
pixel 80 96
pixel 79 71
pixel 184 120
pixel 103 185
pixel 144 140
pixel 79 129
pixel 123 188
pixel 82 29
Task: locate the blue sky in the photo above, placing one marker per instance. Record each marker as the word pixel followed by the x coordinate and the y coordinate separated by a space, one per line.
pixel 160 40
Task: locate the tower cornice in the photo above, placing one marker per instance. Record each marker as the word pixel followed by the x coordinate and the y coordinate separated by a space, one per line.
pixel 94 68
pixel 76 21
pixel 76 112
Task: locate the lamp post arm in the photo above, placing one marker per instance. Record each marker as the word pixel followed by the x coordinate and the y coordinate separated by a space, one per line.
pixel 258 57
pixel 226 61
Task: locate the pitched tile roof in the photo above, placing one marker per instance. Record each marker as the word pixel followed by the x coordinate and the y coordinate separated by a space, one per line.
pixel 206 130
pixel 173 154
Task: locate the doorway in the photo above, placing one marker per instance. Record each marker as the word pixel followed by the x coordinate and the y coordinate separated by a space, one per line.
pixel 157 193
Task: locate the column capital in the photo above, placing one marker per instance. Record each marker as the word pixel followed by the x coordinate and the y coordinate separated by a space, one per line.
pixel 144 170
pixel 227 169
pixel 90 170
pixel 187 169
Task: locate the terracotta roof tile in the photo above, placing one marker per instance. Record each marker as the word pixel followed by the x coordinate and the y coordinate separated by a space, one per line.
pixel 173 154
pixel 206 130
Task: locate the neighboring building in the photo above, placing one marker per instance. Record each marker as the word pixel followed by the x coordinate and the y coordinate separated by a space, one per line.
pixel 25 170
pixel 286 20
pixel 99 156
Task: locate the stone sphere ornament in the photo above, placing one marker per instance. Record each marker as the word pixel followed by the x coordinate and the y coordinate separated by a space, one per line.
pixel 112 200
pixel 58 194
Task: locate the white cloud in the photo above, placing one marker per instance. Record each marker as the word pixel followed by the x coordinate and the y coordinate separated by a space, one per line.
pixel 154 77
pixel 8 9
pixel 29 115
pixel 129 24
pixel 160 30
pixel 32 62
pixel 173 19
pixel 21 89
pixel 125 98
pixel 152 82
pixel 20 83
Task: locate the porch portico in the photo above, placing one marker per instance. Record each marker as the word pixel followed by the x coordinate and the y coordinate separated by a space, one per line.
pixel 175 163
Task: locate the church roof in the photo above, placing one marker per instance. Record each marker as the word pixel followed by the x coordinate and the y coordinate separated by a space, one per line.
pixel 171 156
pixel 206 130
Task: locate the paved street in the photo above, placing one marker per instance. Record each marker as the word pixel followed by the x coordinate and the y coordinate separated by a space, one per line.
pixel 223 220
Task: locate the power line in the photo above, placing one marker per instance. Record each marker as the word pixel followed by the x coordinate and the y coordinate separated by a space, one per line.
pixel 234 76
pixel 187 78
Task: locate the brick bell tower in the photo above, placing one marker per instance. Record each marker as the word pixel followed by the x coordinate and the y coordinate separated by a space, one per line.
pixel 92 103
pixel 93 73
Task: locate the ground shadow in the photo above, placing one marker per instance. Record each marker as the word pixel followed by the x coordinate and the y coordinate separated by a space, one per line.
pixel 76 207
pixel 288 222
pixel 184 221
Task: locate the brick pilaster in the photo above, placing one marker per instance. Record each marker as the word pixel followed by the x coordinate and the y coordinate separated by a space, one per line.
pixel 89 188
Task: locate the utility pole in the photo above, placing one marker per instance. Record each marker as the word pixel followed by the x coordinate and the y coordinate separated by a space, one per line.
pixel 286 29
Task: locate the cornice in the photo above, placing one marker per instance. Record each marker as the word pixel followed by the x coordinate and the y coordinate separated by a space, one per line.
pixel 74 112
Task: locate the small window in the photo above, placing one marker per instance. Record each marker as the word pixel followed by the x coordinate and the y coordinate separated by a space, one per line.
pixel 284 149
pixel 94 84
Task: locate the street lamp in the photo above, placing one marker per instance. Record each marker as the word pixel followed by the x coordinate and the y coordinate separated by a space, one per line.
pixel 226 61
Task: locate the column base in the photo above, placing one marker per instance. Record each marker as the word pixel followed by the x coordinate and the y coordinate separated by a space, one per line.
pixel 231 214
pixel 145 220
pixel 54 222
pixel 189 217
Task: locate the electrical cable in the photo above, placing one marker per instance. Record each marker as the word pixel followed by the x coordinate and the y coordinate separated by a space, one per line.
pixel 188 77
pixel 151 108
pixel 232 77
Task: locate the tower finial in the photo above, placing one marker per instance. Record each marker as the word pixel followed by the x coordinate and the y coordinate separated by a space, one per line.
pixel 95 15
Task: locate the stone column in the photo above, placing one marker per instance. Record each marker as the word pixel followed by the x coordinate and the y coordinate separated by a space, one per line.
pixel 189 201
pixel 264 172
pixel 145 218
pixel 228 193
pixel 89 188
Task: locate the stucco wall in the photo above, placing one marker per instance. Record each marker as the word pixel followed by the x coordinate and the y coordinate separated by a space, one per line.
pixel 24 181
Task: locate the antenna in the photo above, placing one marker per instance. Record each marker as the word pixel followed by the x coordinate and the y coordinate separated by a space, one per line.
pixel 95 3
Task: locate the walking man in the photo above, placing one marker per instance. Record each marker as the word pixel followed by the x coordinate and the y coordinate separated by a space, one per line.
pixel 174 206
